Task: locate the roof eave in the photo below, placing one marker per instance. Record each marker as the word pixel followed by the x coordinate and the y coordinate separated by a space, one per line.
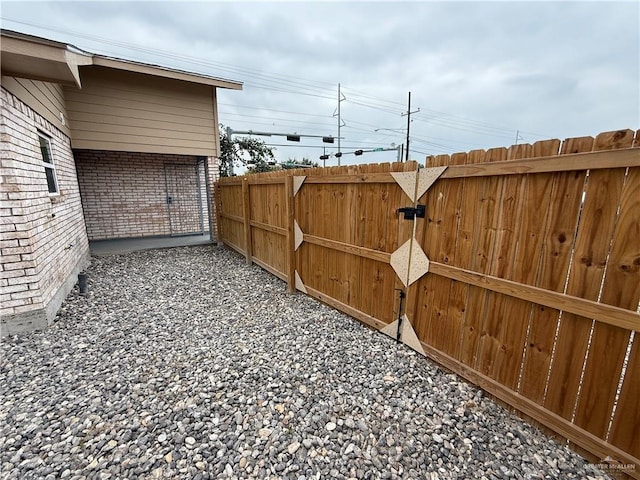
pixel 49 62
pixel 164 72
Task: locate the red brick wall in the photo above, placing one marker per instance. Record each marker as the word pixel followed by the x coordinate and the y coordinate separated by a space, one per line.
pixel 124 193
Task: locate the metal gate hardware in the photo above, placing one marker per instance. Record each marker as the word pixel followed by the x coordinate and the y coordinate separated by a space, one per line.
pixel 410 212
pixel 402 295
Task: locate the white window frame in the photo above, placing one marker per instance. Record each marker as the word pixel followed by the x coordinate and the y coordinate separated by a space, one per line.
pixel 49 166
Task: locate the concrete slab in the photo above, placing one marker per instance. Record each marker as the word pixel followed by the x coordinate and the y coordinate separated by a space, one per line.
pixel 126 245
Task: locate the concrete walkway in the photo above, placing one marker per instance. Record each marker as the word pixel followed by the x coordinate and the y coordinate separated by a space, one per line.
pixel 126 245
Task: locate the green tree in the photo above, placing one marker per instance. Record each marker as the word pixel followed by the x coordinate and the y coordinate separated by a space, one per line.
pixel 305 162
pixel 247 151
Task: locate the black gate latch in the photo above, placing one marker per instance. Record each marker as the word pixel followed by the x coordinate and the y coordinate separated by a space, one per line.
pixel 410 212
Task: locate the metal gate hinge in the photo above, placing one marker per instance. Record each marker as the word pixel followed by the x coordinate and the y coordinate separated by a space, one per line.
pixel 410 212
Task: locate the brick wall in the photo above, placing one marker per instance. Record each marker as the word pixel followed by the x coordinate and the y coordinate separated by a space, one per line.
pixel 43 241
pixel 124 193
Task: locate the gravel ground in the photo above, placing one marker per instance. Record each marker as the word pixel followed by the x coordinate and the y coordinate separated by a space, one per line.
pixel 186 363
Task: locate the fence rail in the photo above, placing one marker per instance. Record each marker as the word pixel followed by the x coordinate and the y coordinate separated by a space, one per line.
pixel 523 276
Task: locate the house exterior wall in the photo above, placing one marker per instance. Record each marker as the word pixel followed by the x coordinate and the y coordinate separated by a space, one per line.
pixel 43 242
pixel 46 99
pixel 132 112
pixel 124 193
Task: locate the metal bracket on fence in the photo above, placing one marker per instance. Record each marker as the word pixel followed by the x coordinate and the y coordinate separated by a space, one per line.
pixel 410 213
pixel 398 332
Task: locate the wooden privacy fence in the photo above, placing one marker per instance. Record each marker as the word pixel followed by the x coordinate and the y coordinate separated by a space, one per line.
pixel 518 269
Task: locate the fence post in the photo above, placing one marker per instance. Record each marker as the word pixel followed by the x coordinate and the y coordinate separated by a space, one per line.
pixel 217 206
pixel 291 248
pixel 246 216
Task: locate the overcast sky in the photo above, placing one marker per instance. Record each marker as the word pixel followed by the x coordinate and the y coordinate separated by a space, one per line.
pixel 479 72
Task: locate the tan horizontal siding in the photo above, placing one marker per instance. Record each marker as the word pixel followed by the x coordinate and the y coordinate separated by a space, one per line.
pixel 80 98
pixel 191 100
pixel 47 99
pixel 91 112
pixel 141 113
pixel 88 128
pixel 135 147
pixel 134 139
pixel 152 122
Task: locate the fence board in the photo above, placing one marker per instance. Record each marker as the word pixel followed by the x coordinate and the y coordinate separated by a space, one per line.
pixel 625 157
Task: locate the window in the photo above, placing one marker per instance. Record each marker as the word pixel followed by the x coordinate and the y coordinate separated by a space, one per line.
pixel 49 167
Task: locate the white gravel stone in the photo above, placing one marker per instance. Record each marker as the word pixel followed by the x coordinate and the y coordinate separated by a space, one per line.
pixel 181 344
pixel 293 448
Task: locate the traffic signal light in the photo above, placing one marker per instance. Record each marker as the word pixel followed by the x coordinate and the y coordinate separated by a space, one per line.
pixel 293 138
pixel 357 152
pixel 324 157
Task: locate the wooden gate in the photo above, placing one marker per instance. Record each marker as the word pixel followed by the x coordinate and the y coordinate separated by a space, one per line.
pixel 347 228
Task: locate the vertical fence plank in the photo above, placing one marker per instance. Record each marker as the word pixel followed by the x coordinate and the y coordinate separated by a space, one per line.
pixel 246 215
pixel 291 244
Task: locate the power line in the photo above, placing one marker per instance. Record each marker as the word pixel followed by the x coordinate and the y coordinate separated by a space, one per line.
pixel 301 86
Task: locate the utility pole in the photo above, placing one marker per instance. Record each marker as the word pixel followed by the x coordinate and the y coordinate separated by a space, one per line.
pixel 339 122
pixel 341 98
pixel 408 114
